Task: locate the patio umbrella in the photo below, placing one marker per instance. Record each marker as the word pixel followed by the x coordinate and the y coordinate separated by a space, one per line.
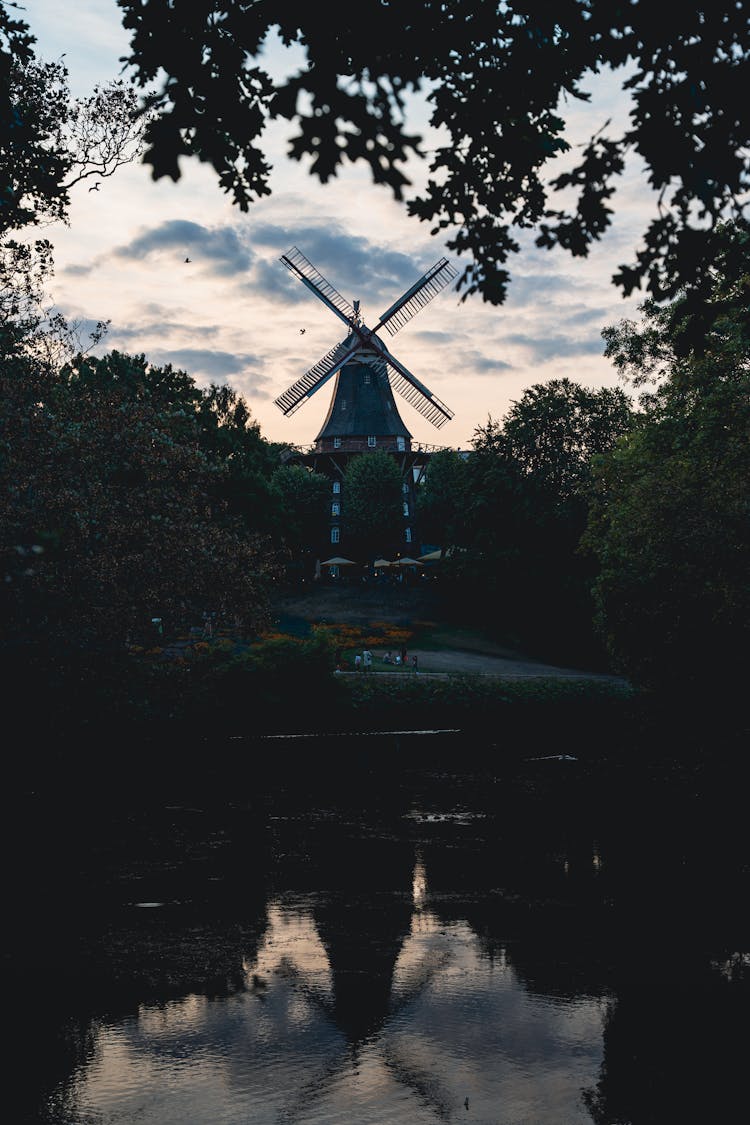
pixel 433 556
pixel 406 562
pixel 380 563
pixel 338 561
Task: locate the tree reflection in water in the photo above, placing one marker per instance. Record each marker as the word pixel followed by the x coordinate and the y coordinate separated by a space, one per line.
pixel 385 951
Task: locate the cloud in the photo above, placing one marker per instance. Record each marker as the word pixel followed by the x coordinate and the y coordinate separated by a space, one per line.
pixel 485 365
pixel 215 365
pixel 356 267
pixel 161 328
pixel 541 348
pixel 78 271
pixel 219 251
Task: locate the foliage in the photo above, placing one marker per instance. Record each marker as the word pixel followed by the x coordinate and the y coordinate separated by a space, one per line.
pixel 371 505
pixel 443 500
pixel 554 431
pixel 528 481
pixel 49 143
pixel 303 502
pixel 232 440
pixel 653 349
pixel 110 511
pixel 497 79
pixel 669 523
pixel 52 142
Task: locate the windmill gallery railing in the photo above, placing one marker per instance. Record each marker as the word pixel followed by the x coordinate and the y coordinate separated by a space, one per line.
pixel 357 445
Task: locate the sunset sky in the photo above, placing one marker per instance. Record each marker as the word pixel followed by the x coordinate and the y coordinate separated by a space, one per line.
pixel 234 314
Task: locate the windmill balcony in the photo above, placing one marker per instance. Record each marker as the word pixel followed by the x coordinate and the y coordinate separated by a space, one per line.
pixel 360 445
pixel 387 444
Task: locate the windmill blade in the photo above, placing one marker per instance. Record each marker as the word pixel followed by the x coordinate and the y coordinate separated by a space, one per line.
pixel 414 299
pixel 416 393
pixel 313 380
pixel 296 262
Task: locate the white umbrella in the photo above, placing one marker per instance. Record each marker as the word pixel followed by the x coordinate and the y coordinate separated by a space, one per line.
pixel 338 561
pixel 381 562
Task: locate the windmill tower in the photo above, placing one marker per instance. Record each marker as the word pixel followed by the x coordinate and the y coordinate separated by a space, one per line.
pixel 363 416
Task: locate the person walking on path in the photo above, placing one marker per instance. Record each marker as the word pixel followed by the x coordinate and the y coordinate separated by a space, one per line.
pixel 357 663
pixel 403 654
pixel 367 659
pixel 414 664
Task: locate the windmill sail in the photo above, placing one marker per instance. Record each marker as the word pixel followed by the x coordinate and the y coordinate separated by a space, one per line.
pixel 313 380
pixel 296 262
pixel 417 394
pixel 414 299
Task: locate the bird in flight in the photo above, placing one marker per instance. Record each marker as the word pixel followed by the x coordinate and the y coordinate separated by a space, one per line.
pixel 187 259
pixel 94 187
pixel 302 331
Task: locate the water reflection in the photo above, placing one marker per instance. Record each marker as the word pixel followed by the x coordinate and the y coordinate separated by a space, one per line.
pixel 474 947
pixel 369 1029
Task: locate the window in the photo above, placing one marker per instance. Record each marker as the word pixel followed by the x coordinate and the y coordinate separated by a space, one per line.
pixel 406 508
pixel 372 441
pixel 337 443
pixel 343 404
pixel 367 376
pixel 334 535
pixel 408 535
pixel 335 508
pixel 337 487
pixel 400 444
pixel 405 488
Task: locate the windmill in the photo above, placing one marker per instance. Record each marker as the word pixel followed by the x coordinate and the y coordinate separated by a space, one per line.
pixel 362 415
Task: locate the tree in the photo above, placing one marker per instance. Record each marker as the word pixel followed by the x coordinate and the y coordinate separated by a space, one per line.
pixel 496 78
pixel 109 509
pixel 668 524
pixel 555 430
pixel 371 505
pixel 231 438
pixel 53 142
pixel 443 500
pixel 303 502
pixel 49 143
pixel 529 478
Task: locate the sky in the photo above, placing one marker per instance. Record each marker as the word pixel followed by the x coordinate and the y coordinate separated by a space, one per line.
pixel 234 314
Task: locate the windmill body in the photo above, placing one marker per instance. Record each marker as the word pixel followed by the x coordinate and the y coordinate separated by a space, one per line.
pixel 363 407
pixel 363 373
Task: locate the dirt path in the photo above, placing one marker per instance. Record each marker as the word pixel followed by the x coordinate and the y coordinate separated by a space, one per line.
pixel 452 650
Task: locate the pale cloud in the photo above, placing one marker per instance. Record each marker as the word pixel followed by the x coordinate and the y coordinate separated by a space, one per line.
pixel 556 346
pixel 218 250
pixel 215 365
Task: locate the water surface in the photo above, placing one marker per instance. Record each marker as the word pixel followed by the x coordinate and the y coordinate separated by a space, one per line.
pixel 409 936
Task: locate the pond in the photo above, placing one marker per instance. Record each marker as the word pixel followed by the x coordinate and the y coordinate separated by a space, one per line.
pixel 394 929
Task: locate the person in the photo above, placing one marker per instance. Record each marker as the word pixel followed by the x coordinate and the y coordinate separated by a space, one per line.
pixel 398 658
pixel 403 654
pixel 414 667
pixel 358 663
pixel 367 659
pixel 387 658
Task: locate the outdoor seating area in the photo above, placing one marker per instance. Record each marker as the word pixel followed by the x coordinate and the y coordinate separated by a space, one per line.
pixel 340 567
